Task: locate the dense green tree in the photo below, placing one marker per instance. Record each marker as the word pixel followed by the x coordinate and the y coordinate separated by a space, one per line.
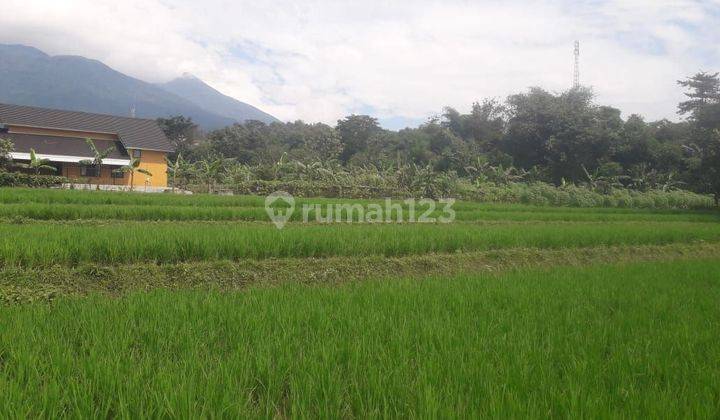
pixel 248 143
pixel 564 132
pixel 535 135
pixel 529 127
pixel 308 142
pixel 485 125
pixel 356 133
pixel 181 131
pixel 257 143
pixel 703 91
pixel 636 144
pixel 670 155
pixel 703 109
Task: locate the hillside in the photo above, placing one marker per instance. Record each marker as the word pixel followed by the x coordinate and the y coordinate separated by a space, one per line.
pixel 30 77
pixel 197 91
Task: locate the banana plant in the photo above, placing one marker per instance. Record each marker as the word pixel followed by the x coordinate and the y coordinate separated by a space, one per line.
pixel 37 164
pixel 99 156
pixel 132 167
pixel 212 171
pixel 173 168
pixel 669 183
pixel 600 183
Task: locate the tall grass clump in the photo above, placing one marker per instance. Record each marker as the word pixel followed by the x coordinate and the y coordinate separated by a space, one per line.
pixel 542 194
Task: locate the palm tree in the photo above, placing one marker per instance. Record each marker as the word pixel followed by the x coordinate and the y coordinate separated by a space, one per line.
pixel 132 167
pixel 37 164
pixel 98 158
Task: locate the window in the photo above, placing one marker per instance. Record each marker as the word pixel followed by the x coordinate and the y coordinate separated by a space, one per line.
pixel 90 171
pixel 117 174
pixel 136 153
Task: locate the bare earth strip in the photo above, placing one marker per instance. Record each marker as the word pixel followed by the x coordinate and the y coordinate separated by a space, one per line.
pixel 18 285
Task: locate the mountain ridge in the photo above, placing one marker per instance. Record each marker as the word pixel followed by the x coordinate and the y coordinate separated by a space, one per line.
pixel 28 76
pixel 191 87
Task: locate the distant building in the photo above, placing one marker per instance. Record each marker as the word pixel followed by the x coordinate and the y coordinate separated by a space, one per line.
pixel 59 136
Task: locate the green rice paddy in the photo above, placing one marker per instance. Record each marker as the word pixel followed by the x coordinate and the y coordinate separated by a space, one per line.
pixel 630 341
pixel 171 242
pixel 76 211
pixel 143 305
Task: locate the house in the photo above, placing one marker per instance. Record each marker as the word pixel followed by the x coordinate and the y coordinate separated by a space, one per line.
pixel 60 137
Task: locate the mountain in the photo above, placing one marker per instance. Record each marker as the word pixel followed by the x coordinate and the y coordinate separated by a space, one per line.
pixel 30 77
pixel 197 91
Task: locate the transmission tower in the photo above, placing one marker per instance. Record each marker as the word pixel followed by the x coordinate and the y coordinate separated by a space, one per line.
pixel 132 106
pixel 576 69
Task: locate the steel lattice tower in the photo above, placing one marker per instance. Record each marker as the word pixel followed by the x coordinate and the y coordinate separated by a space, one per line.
pixel 576 69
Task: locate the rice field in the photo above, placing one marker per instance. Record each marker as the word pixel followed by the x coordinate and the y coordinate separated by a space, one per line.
pixel 172 242
pixel 152 212
pixel 144 305
pixel 639 340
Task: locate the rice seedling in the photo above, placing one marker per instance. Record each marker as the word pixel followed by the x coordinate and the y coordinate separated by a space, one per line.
pixel 170 242
pixel 77 197
pixel 57 211
pixel 83 205
pixel 608 341
pixel 20 285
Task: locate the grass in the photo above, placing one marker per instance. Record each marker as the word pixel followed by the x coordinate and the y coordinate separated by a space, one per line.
pixel 51 196
pixel 608 341
pixel 20 285
pixel 105 198
pixel 171 242
pixel 153 212
pixel 146 305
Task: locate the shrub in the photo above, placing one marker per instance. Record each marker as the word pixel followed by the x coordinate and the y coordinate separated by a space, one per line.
pixel 6 147
pixel 542 194
pixel 17 179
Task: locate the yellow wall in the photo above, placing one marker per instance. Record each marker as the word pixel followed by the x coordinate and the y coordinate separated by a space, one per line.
pixel 72 171
pixel 153 162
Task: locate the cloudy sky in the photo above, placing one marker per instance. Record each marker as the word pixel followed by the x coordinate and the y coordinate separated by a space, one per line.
pixel 401 61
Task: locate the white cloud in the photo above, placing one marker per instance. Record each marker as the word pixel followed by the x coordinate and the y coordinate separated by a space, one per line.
pixel 320 60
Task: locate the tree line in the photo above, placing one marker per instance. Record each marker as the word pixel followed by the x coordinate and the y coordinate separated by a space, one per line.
pixel 558 137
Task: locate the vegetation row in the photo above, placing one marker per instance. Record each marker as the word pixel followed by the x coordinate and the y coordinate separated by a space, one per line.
pixel 536 194
pixel 21 285
pixel 17 213
pixel 169 242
